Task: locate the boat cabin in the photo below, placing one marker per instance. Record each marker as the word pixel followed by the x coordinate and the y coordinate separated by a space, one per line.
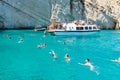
pixel 87 27
pixel 74 27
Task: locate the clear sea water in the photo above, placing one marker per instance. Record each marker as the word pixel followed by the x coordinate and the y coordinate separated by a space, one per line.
pixel 24 61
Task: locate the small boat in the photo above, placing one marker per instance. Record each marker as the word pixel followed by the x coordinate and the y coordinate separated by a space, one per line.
pixel 39 28
pixel 74 29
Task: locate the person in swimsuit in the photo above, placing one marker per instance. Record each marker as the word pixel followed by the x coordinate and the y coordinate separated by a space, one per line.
pixel 116 60
pixel 67 58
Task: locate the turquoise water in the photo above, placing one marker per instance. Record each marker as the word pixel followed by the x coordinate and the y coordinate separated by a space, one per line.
pixel 24 61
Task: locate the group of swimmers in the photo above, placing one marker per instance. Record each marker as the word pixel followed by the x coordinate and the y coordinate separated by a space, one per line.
pixel 67 58
pixel 41 46
pixel 87 61
pixel 20 40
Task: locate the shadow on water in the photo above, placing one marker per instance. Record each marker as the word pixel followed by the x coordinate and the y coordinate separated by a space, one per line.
pixel 1 31
pixel 79 37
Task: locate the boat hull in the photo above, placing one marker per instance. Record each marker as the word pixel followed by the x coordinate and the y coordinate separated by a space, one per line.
pixel 77 33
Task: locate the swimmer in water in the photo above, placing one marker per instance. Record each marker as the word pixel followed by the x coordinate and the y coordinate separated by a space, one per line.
pixel 45 32
pixel 53 54
pixel 88 63
pixel 10 38
pixel 44 45
pixel 20 41
pixel 39 46
pixel 21 38
pixel 116 60
pixel 67 58
pixel 64 43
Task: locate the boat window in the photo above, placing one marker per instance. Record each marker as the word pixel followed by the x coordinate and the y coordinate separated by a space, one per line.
pixel 90 28
pixel 79 28
pixel 86 27
pixel 94 27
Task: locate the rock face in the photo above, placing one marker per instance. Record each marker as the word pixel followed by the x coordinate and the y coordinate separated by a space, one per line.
pixel 27 13
pixel 24 13
pixel 105 13
pixel 1 22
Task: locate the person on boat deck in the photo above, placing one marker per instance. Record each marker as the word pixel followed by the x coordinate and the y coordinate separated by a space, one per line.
pixel 51 26
pixel 64 26
pixel 83 22
pixel 77 22
pixel 116 60
pixel 67 58
pixel 58 26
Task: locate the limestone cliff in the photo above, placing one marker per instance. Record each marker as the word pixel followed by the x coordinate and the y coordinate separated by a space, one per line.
pixel 27 13
pixel 105 13
pixel 24 13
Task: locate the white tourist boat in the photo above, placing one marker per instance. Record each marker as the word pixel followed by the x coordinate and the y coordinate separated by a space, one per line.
pixel 73 29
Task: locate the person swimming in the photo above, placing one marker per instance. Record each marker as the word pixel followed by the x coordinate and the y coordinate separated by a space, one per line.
pixel 20 41
pixel 41 46
pixel 116 60
pixel 64 43
pixel 9 37
pixel 88 63
pixel 67 58
pixel 53 54
pixel 45 32
pixel 21 38
pixel 44 45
